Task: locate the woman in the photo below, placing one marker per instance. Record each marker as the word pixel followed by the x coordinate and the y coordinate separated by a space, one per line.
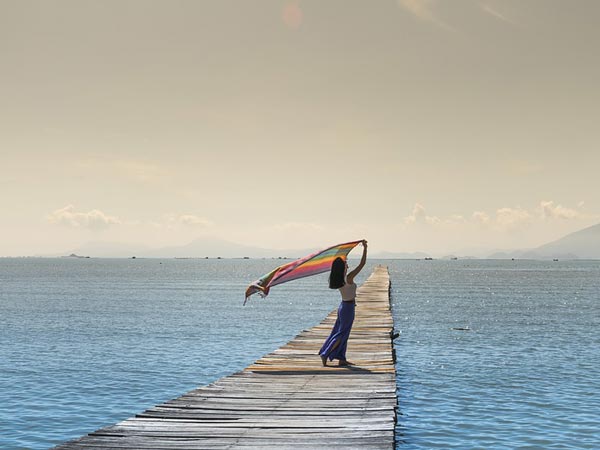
pixel 335 345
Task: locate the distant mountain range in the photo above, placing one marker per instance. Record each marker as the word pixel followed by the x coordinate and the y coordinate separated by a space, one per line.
pixel 199 248
pixel 212 248
pixel 582 244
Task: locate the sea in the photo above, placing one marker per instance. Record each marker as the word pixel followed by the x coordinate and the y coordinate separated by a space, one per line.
pixel 491 354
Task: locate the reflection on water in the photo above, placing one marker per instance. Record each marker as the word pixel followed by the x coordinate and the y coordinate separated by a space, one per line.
pixel 526 373
pixel 86 343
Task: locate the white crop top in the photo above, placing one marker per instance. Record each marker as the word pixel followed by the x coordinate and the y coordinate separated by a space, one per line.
pixel 348 291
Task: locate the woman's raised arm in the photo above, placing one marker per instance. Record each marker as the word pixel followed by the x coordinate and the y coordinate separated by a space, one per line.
pixel 363 260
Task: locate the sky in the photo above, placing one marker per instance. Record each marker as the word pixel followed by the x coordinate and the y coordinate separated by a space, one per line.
pixel 461 126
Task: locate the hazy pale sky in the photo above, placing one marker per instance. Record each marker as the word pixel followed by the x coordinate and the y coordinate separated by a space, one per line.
pixel 448 125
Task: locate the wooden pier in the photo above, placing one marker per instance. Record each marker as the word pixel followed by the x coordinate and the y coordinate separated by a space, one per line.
pixel 286 399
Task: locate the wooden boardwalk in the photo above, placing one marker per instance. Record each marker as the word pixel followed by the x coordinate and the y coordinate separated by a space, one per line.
pixel 285 400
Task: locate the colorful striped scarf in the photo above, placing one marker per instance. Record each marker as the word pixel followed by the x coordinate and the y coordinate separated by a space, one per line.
pixel 314 264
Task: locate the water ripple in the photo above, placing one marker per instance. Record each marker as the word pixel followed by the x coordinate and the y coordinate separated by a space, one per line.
pixel 86 343
pixel 525 375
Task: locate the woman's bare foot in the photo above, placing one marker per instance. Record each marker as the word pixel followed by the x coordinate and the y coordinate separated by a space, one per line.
pixel 344 362
pixel 324 360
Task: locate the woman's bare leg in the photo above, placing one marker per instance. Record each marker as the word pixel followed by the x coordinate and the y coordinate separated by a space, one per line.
pixel 324 358
pixel 336 345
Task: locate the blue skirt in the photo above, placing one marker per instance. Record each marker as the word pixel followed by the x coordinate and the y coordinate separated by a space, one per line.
pixel 341 332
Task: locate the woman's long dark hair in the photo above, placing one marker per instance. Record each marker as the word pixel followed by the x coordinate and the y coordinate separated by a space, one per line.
pixel 336 276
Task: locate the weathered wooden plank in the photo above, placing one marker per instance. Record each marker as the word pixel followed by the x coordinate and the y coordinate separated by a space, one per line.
pixel 286 399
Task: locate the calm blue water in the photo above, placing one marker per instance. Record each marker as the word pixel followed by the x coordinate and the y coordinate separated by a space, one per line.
pixel 85 343
pixel 527 375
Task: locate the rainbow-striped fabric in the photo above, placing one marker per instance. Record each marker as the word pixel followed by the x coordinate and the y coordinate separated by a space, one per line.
pixel 314 264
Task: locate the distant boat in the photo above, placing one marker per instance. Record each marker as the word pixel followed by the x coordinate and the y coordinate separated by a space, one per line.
pixel 428 258
pixel 246 257
pixel 555 259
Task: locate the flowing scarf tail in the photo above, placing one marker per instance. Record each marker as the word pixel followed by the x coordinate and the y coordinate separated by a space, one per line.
pixel 312 264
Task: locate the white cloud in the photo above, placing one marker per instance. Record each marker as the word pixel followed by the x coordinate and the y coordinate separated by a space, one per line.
pixel 549 210
pixel 418 212
pixel 94 220
pixel 503 219
pixel 511 218
pixel 419 215
pixel 481 217
pixel 455 219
